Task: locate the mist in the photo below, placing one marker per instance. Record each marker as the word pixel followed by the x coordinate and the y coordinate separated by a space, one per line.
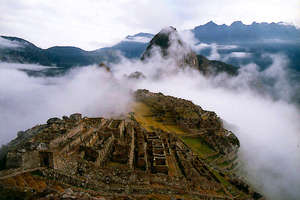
pixel 4 43
pixel 27 101
pixel 264 120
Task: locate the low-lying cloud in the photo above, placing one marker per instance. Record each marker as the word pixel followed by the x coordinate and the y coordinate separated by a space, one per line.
pixel 4 43
pixel 225 57
pixel 137 39
pixel 201 45
pixel 26 101
pixel 236 55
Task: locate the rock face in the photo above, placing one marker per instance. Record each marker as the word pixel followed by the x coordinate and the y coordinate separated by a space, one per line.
pixel 171 151
pixel 136 75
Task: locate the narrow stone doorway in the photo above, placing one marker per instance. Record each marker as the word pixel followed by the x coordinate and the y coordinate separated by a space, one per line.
pixel 46 159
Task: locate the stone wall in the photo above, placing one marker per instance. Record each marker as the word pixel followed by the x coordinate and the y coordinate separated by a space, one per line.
pixel 32 159
pixel 28 159
pixel 103 153
pixel 57 141
pixel 131 133
pixel 14 160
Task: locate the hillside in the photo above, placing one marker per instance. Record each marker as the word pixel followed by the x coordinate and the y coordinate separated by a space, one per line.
pixel 60 56
pixel 166 148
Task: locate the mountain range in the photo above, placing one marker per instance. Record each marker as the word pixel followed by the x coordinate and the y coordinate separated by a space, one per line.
pixel 238 32
pixel 257 38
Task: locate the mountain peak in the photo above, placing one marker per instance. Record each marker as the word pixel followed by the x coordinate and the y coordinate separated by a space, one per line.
pixel 163 41
pixel 168 30
pixel 169 44
pixel 211 23
pixel 237 23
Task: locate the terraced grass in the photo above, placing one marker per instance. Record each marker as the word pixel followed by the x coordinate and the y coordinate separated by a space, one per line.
pixel 198 146
pixel 225 164
pixel 229 187
pixel 145 117
pixel 213 157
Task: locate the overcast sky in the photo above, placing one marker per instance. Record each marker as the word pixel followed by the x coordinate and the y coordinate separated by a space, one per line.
pixel 91 24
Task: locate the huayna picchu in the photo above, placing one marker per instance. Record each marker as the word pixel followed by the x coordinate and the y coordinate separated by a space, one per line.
pixel 166 148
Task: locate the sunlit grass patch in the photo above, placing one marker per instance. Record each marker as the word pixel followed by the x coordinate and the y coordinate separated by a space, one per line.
pixel 144 116
pixel 199 146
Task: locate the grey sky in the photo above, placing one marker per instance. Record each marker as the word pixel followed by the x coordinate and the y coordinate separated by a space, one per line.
pixel 92 24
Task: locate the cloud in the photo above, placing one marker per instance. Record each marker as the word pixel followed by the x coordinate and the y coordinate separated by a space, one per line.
pixel 19 66
pixel 198 46
pixel 201 46
pixel 138 39
pixel 214 50
pixel 236 55
pixel 226 47
pixel 26 101
pixel 214 55
pixel 4 43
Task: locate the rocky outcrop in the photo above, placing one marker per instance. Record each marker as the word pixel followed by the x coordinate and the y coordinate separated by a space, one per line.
pixel 104 66
pixel 136 75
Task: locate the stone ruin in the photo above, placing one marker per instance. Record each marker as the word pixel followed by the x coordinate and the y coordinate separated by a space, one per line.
pixel 115 154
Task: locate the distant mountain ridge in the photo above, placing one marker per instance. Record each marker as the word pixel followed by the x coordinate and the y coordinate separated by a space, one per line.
pixel 60 56
pixel 133 46
pixel 241 33
pixel 69 56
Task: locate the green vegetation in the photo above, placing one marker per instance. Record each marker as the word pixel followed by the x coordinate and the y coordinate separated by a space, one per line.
pixel 229 187
pixel 213 157
pixel 199 146
pixel 145 117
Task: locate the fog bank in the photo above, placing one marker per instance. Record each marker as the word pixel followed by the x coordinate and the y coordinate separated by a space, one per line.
pixel 27 101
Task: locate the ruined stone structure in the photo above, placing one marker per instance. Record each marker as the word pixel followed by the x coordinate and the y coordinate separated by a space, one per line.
pixel 116 158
